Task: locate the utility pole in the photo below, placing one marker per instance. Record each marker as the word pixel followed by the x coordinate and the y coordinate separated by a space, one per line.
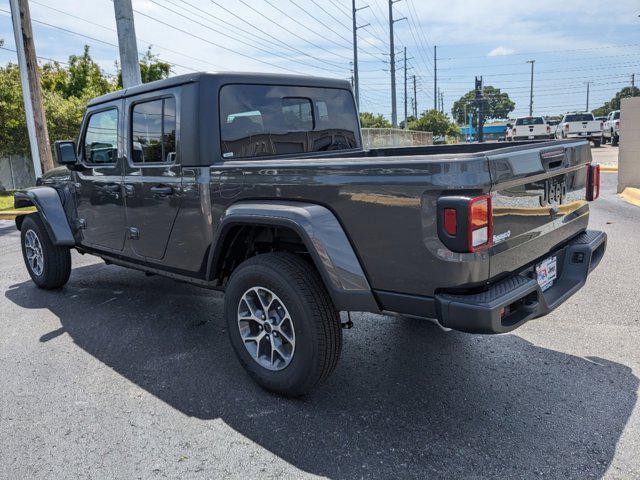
pixel 532 62
pixel 435 77
pixel 31 89
pixel 406 120
pixel 415 99
pixel 633 84
pixel 392 58
pixel 356 80
pixel 587 109
pixel 127 43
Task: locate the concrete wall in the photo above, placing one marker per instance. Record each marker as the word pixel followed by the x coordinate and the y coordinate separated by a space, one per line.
pixel 16 172
pixel 629 153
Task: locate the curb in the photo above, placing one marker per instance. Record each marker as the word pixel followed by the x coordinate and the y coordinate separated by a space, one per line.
pixel 12 214
pixel 608 168
pixel 631 195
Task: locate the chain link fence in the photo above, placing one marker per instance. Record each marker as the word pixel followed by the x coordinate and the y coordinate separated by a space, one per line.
pixel 395 137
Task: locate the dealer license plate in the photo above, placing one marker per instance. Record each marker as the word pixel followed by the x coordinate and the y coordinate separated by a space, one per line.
pixel 547 272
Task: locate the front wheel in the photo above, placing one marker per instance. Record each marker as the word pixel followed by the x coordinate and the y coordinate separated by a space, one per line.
pixel 48 265
pixel 282 323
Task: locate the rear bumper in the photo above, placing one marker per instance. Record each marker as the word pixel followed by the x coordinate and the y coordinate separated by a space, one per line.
pixel 590 136
pixel 519 296
pixel 545 136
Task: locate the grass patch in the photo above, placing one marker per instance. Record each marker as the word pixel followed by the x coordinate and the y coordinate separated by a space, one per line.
pixel 6 202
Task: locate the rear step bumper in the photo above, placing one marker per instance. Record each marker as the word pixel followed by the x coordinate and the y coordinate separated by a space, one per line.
pixel 517 299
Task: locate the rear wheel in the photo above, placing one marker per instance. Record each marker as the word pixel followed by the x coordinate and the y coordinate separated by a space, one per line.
pixel 48 265
pixel 282 323
pixel 614 139
pixel 596 143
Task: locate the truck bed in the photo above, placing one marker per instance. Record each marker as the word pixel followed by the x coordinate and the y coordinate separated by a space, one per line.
pixel 391 195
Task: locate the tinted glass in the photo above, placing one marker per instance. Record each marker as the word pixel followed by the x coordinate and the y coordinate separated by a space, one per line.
pixel 616 115
pixel 259 120
pixel 530 121
pixel 579 117
pixel 101 138
pixel 154 131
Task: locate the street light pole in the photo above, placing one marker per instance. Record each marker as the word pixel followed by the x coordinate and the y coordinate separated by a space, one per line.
pixel 356 79
pixel 532 62
pixel 587 109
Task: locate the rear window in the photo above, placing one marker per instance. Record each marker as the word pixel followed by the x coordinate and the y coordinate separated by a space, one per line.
pixel 616 115
pixel 579 117
pixel 530 121
pixel 261 120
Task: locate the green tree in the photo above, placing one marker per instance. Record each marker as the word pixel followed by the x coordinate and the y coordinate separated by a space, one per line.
pixel 614 103
pixel 85 78
pixel 65 91
pixel 436 122
pixel 369 120
pixel 497 104
pixel 13 126
pixel 151 68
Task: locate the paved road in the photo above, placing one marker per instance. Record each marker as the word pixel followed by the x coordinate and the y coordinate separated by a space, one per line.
pixel 124 376
pixel 605 155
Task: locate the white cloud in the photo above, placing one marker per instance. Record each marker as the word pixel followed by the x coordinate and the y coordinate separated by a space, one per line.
pixel 500 51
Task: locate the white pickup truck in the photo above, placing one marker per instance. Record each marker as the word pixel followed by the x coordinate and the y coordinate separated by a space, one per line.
pixel 580 125
pixel 611 132
pixel 529 128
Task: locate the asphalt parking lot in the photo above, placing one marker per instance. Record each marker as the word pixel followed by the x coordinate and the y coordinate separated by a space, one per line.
pixel 120 375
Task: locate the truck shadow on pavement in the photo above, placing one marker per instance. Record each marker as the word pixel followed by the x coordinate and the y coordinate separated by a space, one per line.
pixel 406 399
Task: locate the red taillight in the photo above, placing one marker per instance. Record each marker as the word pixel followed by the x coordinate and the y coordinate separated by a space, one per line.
pixel 480 222
pixel 566 127
pixel 617 123
pixel 593 182
pixel 514 131
pixel 548 129
pixel 451 221
pixel 601 125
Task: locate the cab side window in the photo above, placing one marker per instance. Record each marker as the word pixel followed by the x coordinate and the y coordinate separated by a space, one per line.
pixel 153 134
pixel 100 144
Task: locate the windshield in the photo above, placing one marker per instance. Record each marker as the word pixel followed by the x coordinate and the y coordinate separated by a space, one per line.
pixel 579 117
pixel 260 120
pixel 530 121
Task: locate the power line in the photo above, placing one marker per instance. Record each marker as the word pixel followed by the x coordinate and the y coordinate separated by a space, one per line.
pixel 244 42
pixel 543 52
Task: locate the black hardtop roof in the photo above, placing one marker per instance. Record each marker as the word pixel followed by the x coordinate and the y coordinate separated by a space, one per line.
pixel 225 78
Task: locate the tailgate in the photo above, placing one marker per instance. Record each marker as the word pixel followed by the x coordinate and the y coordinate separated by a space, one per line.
pixel 539 201
pixel 584 127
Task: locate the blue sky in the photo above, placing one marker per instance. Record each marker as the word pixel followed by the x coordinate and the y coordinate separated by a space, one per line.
pixel 572 43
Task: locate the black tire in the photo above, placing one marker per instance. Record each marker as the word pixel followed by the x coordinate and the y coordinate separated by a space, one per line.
pixel 596 144
pixel 56 261
pixel 615 140
pixel 316 322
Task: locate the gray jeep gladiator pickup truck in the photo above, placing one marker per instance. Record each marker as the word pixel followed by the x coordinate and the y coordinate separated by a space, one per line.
pixel 258 186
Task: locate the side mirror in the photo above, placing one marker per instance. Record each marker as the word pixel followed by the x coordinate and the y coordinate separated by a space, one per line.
pixel 509 125
pixel 66 152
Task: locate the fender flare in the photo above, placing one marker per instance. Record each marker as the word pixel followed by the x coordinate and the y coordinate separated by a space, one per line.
pixel 49 206
pixel 324 238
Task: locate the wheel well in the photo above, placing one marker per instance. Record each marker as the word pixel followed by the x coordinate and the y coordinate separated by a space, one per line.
pixel 241 242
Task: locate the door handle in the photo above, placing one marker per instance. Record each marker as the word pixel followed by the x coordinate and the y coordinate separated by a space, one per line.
pixel 162 190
